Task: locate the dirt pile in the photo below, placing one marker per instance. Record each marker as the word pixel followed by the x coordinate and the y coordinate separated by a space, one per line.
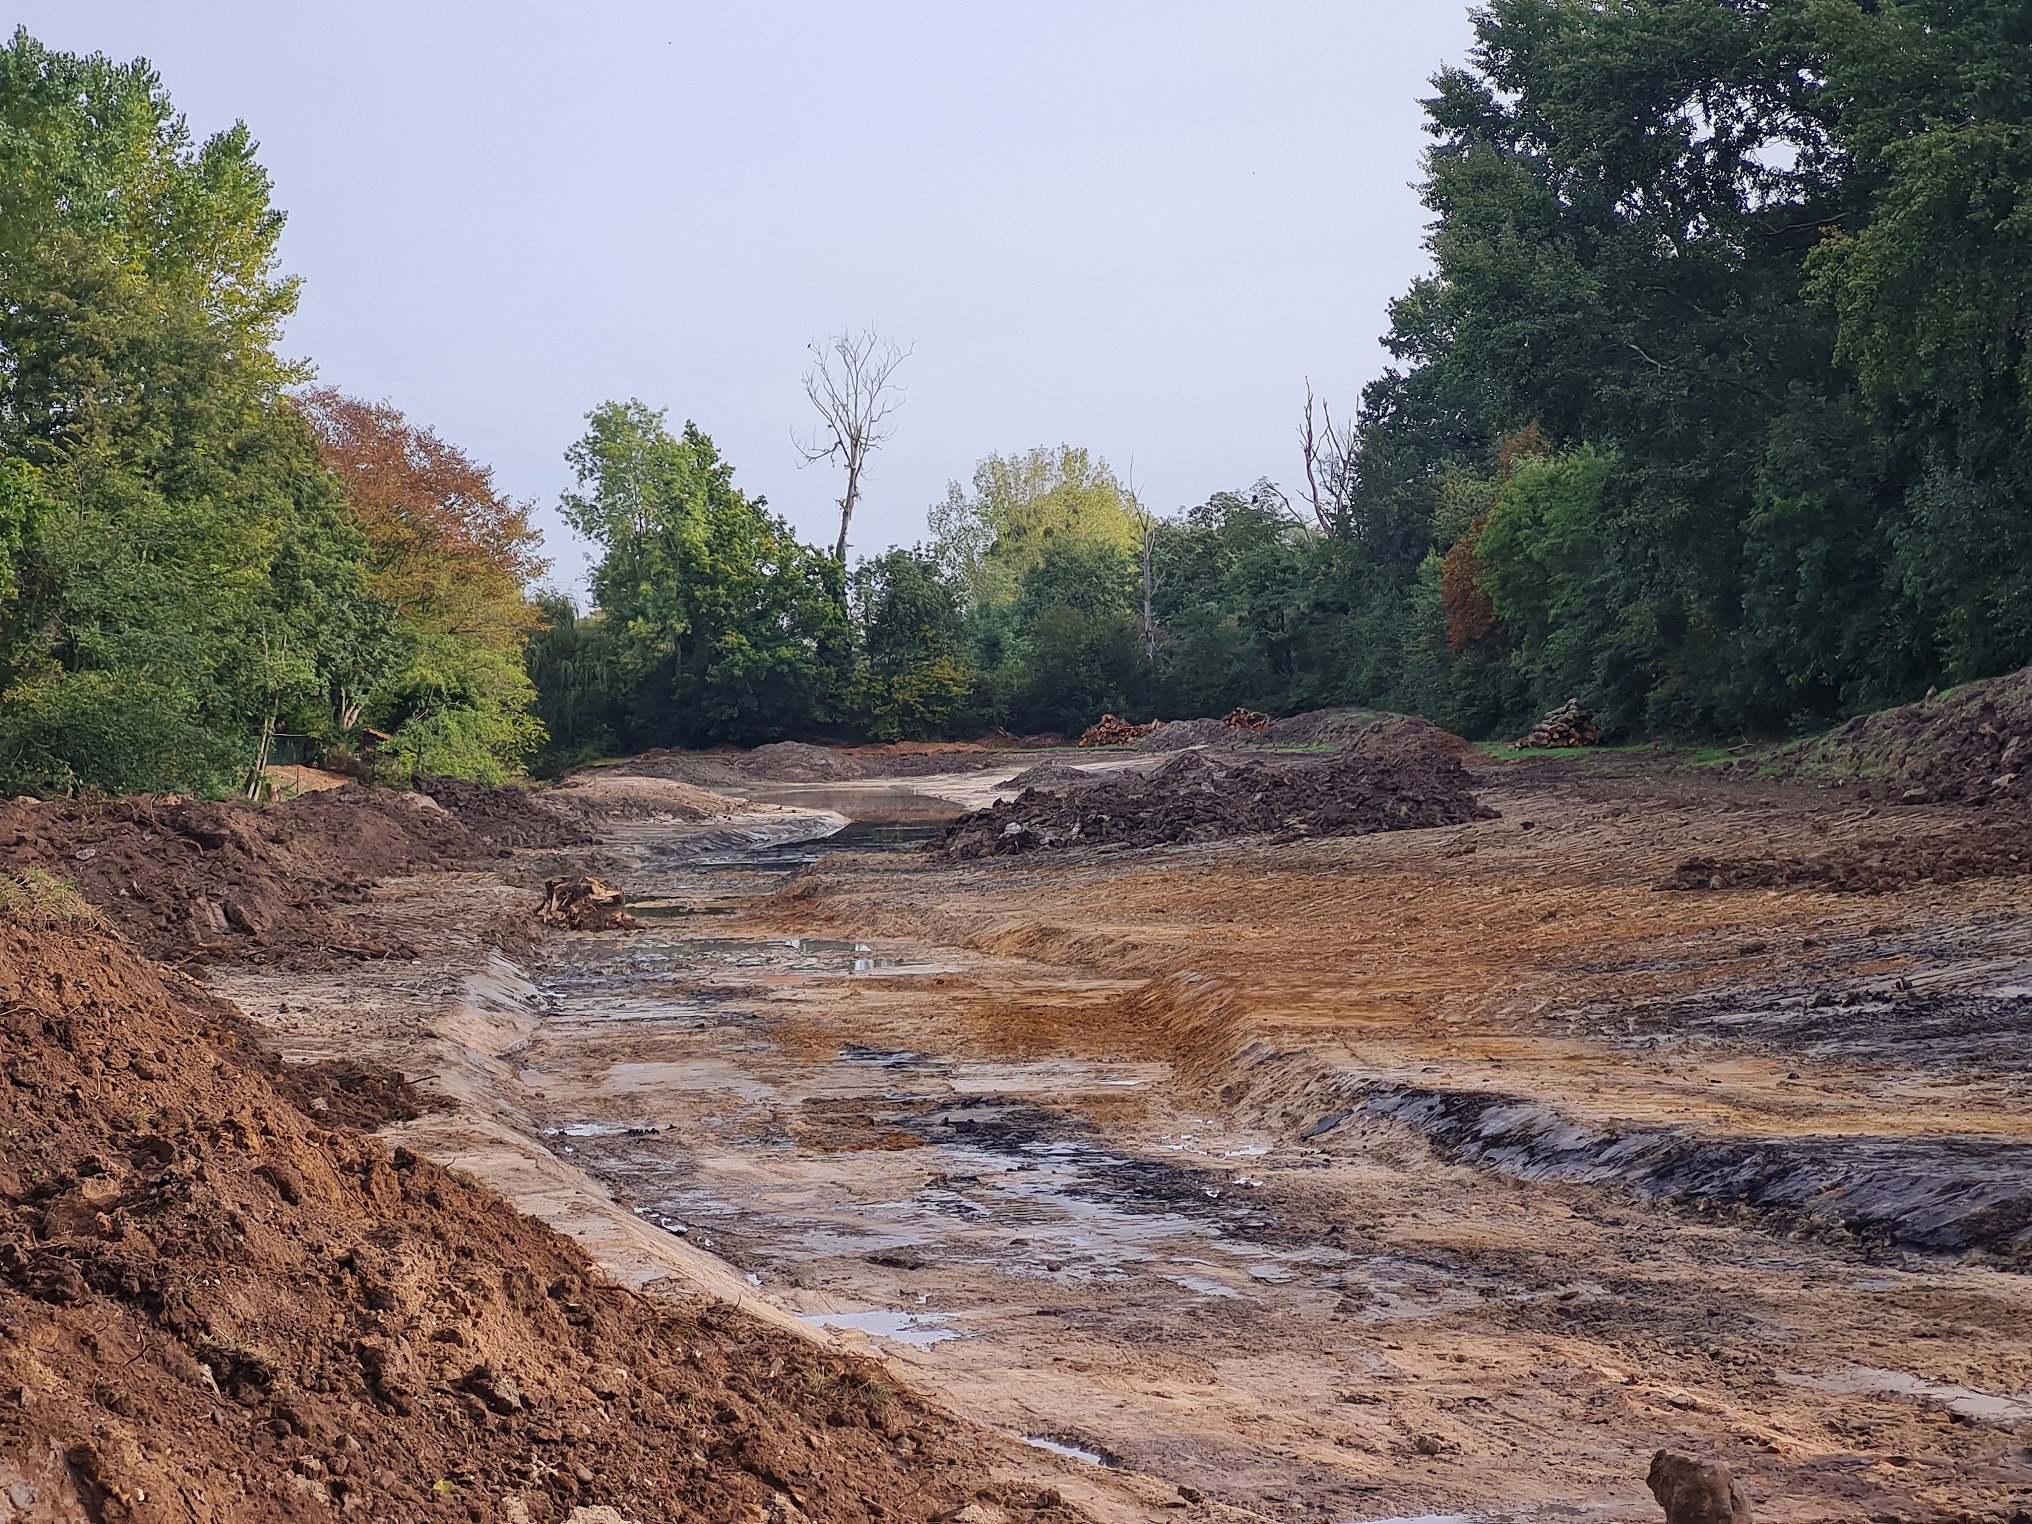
pixel 503 817
pixel 214 1308
pixel 1198 796
pixel 1869 867
pixel 1113 730
pixel 584 904
pixel 1972 745
pixel 1566 727
pixel 189 878
pixel 598 796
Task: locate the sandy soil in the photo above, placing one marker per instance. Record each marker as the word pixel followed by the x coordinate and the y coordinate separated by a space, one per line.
pixel 1441 1172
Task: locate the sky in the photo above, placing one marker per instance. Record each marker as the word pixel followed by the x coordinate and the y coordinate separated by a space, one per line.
pixel 1139 226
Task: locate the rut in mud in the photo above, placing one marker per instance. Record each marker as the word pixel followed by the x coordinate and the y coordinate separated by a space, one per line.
pixel 1265 1269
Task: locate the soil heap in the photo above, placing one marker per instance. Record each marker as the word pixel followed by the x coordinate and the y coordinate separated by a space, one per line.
pixel 1972 745
pixel 214 1308
pixel 190 878
pixel 1396 782
pixel 503 817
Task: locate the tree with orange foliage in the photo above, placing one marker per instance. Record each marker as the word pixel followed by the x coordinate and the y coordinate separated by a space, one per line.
pixel 456 558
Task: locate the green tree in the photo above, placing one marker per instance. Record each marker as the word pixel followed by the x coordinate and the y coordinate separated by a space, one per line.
pixel 993 538
pixel 917 681
pixel 1077 656
pixel 177 550
pixel 723 627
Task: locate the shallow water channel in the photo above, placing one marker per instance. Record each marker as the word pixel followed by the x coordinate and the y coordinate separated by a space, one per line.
pixel 1001 1223
pixel 936 1156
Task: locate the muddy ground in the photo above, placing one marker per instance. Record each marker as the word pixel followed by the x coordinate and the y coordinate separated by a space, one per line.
pixel 1437 1172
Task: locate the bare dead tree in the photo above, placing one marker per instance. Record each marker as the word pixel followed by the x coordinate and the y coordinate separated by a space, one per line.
pixel 1329 462
pixel 854 389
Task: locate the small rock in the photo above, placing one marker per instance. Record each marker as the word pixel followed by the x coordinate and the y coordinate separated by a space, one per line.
pixel 609 1381
pixel 1696 1491
pixel 495 1387
pixel 596 1513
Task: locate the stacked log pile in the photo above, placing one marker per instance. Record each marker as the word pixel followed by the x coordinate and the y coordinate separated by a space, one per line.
pixel 1567 726
pixel 1246 719
pixel 1113 730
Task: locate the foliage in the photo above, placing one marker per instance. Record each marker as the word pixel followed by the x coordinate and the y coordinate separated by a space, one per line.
pixel 722 627
pixel 172 544
pixel 1748 283
pixel 916 681
pixel 991 540
pixel 180 574
pixel 453 557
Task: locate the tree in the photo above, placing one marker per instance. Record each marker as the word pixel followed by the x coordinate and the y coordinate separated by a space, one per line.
pixel 455 558
pixel 853 388
pixel 1021 504
pixel 917 681
pixel 722 627
pixel 184 573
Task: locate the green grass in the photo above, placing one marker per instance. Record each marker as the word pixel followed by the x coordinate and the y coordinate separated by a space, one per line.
pixel 37 901
pixel 1682 756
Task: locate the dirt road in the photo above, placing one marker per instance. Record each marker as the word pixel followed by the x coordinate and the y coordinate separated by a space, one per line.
pixel 1440 1172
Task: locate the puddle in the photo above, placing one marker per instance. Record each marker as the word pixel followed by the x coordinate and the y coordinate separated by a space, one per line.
pixel 1070 1452
pixel 681 1068
pixel 1863 1380
pixel 913 1329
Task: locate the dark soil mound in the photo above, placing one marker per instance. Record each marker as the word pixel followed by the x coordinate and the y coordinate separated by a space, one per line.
pixel 1878 867
pixel 1056 777
pixel 1972 745
pixel 213 1306
pixel 189 878
pixel 502 817
pixel 795 762
pixel 1206 797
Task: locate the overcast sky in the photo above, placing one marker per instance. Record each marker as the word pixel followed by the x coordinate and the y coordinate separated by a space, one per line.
pixel 1134 225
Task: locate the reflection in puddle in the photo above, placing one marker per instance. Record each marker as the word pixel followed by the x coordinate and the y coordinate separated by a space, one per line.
pixel 1070 1452
pixel 1863 1380
pixel 904 1327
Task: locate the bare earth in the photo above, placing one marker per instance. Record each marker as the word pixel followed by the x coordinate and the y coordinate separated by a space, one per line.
pixel 1436 1172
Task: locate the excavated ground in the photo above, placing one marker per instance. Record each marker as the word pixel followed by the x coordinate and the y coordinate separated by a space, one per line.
pixel 1434 1172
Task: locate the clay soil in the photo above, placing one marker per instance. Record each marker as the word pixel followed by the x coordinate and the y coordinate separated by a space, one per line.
pixel 1429 1172
pixel 1542 1167
pixel 216 1304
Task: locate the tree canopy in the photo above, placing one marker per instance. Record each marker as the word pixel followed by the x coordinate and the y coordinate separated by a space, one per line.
pixel 181 575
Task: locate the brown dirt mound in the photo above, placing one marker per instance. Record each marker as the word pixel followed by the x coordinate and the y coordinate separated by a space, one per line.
pixel 1879 867
pixel 1206 797
pixel 1182 735
pixel 503 817
pixel 189 878
pixel 214 1308
pixel 598 796
pixel 1972 745
pixel 795 762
